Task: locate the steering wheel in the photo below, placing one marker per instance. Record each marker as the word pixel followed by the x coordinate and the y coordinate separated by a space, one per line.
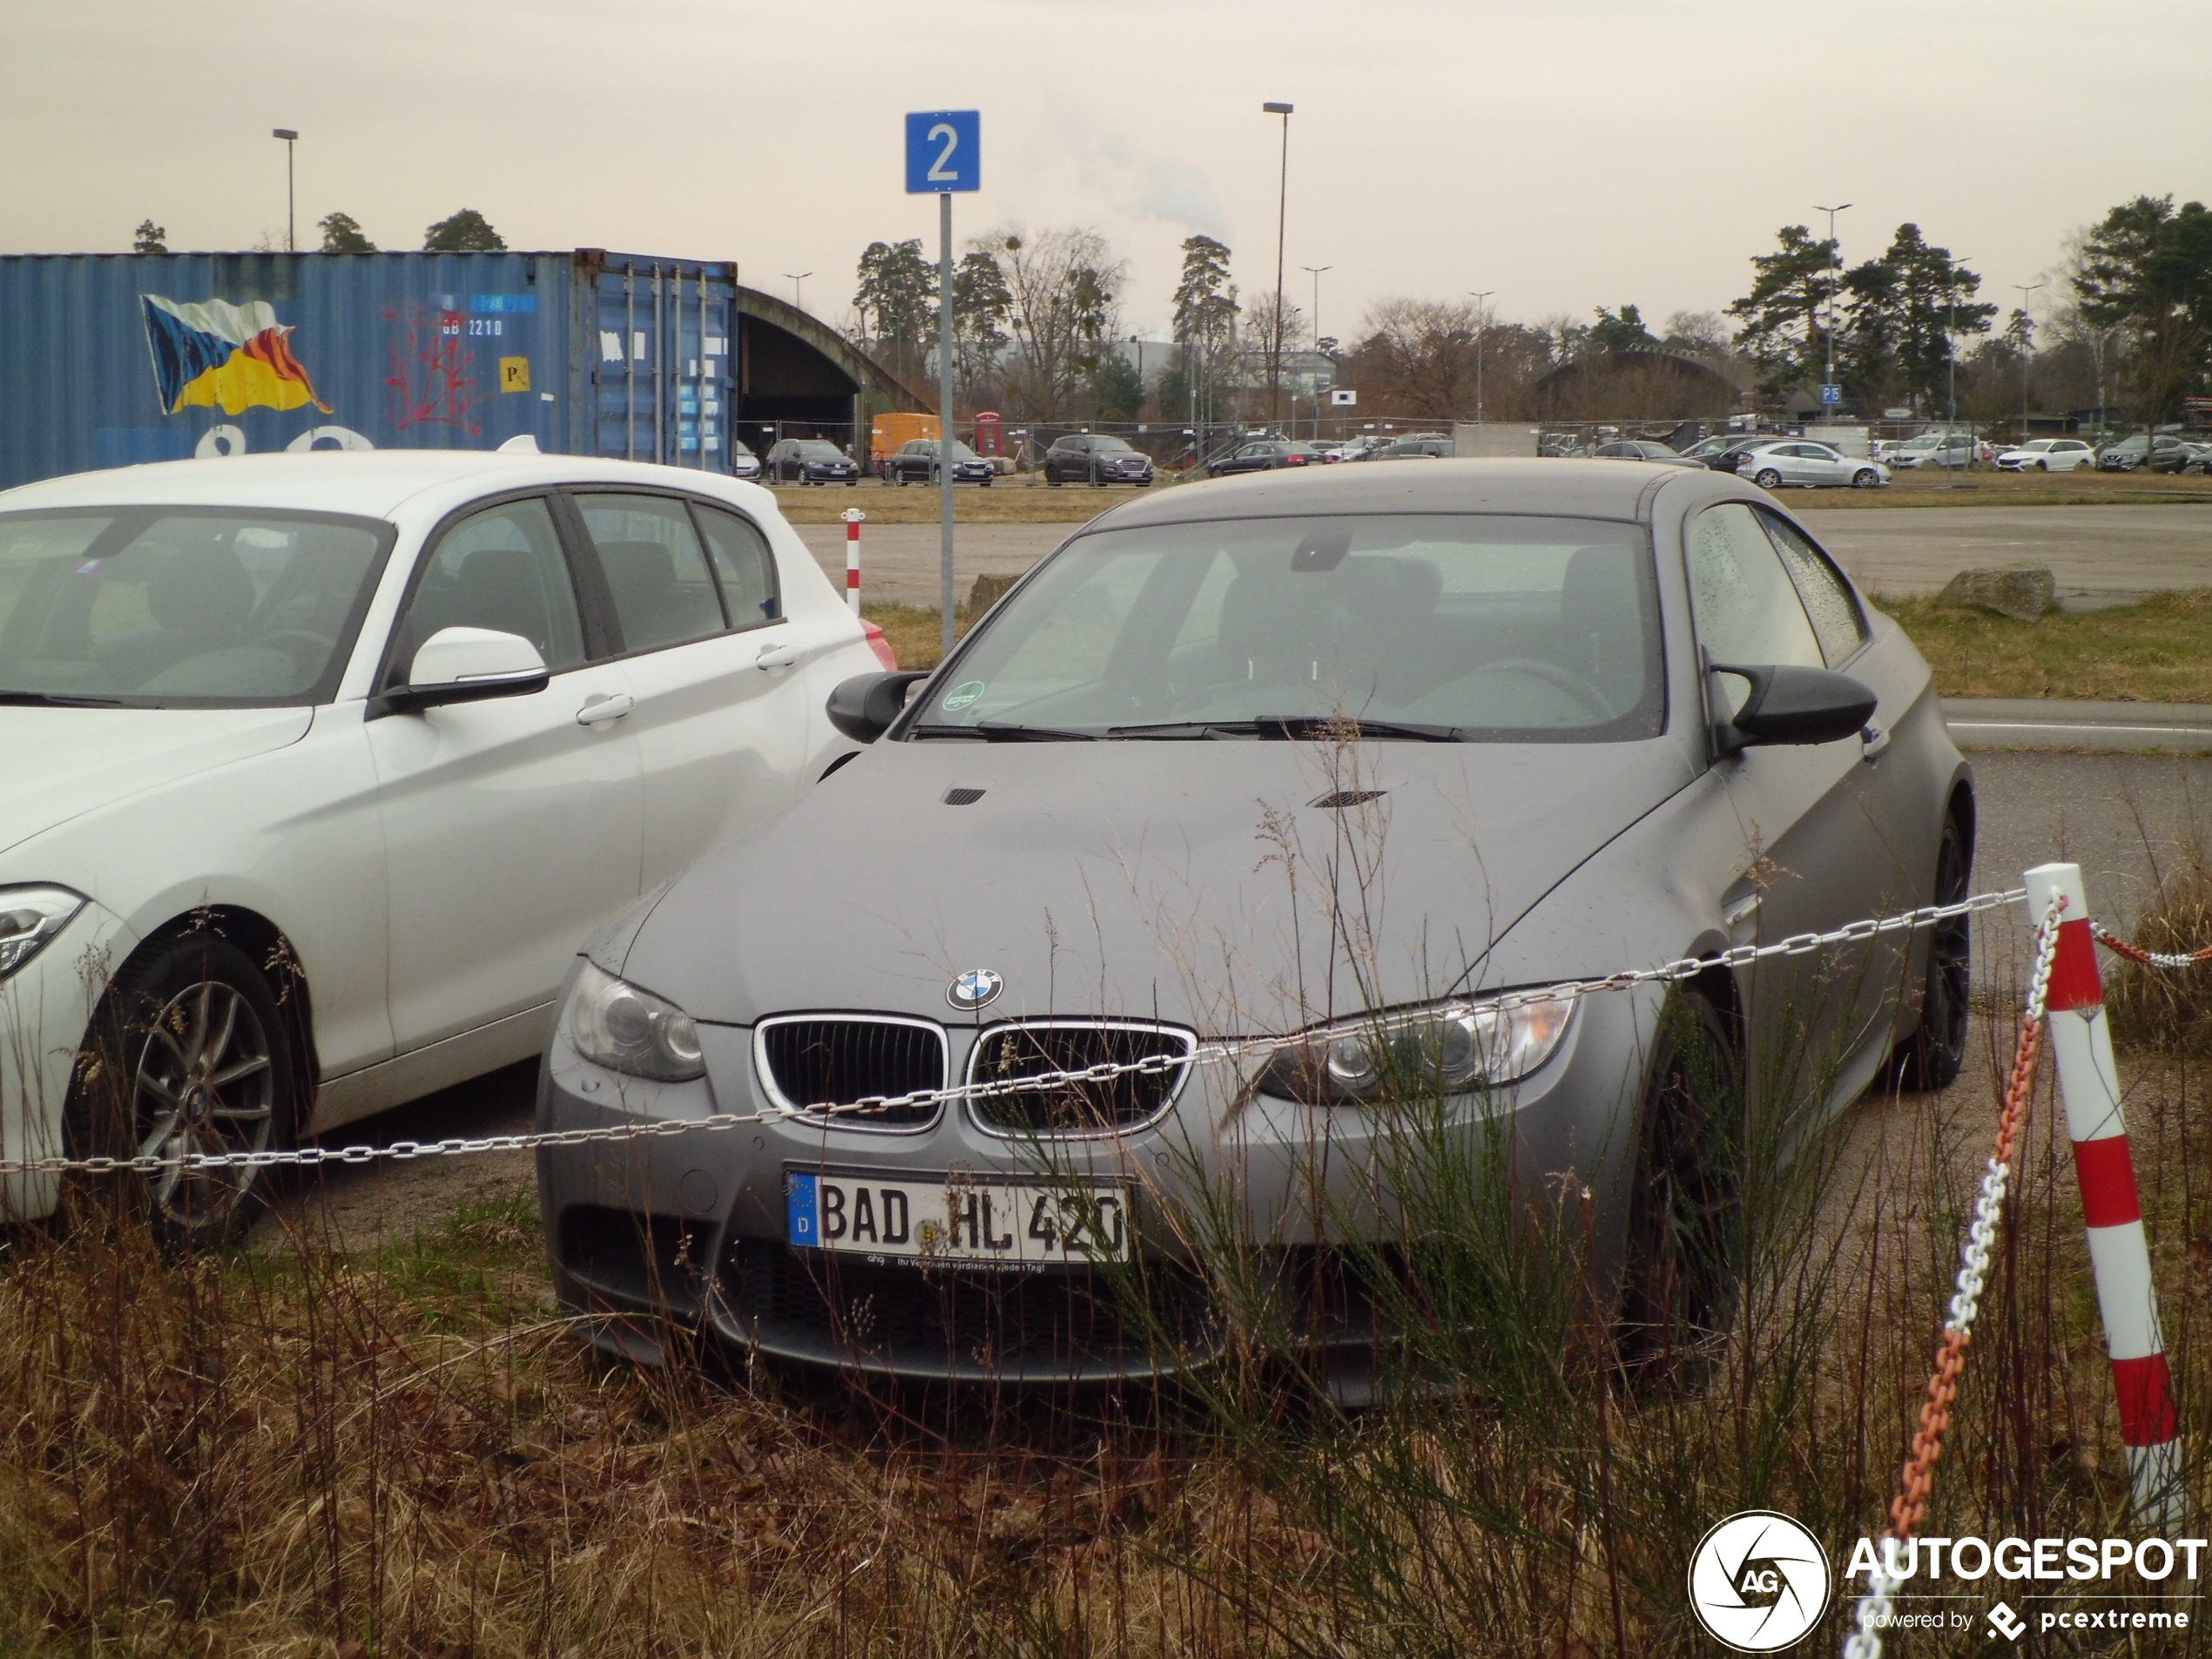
pixel 1591 702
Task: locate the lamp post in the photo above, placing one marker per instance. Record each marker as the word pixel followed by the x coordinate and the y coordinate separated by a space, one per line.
pixel 2025 288
pixel 291 138
pixel 798 280
pixel 1835 268
pixel 1282 206
pixel 1314 270
pixel 1482 327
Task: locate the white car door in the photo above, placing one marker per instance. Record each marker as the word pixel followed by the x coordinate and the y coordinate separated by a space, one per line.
pixel 511 825
pixel 1825 466
pixel 722 718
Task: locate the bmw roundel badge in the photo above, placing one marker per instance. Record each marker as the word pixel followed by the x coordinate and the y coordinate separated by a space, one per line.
pixel 977 988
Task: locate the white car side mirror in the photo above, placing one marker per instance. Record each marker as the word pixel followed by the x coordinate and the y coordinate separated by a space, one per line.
pixel 468 665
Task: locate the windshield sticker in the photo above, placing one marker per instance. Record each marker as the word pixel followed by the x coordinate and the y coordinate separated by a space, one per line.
pixel 962 696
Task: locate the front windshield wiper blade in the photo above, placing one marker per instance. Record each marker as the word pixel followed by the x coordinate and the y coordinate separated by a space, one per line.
pixel 998 732
pixel 1293 725
pixel 55 700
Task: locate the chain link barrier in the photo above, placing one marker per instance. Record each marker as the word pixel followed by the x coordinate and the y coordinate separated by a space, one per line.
pixel 2136 954
pixel 1229 1051
pixel 1916 1480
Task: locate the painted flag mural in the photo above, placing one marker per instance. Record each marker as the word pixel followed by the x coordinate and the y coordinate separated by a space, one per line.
pixel 213 354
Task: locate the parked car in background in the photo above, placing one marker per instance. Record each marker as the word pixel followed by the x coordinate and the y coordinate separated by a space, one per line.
pixel 916 462
pixel 1264 455
pixel 1097 458
pixel 1185 673
pixel 1360 448
pixel 323 766
pixel 810 461
pixel 2199 459
pixel 2126 454
pixel 1704 449
pixel 2047 455
pixel 1642 449
pixel 1414 446
pixel 1942 449
pixel 1725 458
pixel 1561 446
pixel 743 462
pixel 1801 461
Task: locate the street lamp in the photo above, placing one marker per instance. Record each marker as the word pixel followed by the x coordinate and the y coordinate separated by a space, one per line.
pixel 798 280
pixel 1481 327
pixel 291 138
pixel 1282 206
pixel 2025 288
pixel 1314 270
pixel 1835 266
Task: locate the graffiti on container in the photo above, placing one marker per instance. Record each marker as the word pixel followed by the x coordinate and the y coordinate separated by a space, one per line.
pixel 430 383
pixel 213 354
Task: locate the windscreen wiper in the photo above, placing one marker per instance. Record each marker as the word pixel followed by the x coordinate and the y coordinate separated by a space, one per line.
pixel 55 700
pixel 1293 725
pixel 996 731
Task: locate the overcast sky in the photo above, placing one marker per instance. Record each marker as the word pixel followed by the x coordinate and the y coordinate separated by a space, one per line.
pixel 1565 155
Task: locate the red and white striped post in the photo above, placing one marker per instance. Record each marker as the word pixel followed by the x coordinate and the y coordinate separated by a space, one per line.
pixel 2119 1256
pixel 852 517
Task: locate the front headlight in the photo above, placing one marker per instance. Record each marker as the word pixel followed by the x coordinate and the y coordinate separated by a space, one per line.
pixel 616 1025
pixel 1419 1053
pixel 31 916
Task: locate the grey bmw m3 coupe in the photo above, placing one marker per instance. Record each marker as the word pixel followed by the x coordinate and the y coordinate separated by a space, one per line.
pixel 1260 821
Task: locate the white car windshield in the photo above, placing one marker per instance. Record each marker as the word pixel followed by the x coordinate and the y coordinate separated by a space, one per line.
pixel 1468 627
pixel 169 607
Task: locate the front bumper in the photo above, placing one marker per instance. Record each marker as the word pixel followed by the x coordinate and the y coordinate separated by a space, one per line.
pixel 45 1008
pixel 661 1236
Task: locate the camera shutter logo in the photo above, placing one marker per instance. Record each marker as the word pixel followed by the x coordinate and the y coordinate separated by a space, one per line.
pixel 1758 1581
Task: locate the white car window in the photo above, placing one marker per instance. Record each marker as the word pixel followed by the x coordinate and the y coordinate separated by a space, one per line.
pixel 501 568
pixel 657 573
pixel 1746 607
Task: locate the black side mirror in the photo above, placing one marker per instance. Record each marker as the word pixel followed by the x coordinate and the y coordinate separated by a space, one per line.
pixel 864 706
pixel 1791 705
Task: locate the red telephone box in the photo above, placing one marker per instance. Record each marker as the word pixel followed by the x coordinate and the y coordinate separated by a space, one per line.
pixel 987 441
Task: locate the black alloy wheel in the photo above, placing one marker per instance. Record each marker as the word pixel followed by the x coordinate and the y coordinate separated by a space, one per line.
pixel 188 1053
pixel 1934 1055
pixel 1683 1277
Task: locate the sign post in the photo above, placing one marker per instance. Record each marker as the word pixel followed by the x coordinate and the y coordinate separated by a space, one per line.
pixel 944 154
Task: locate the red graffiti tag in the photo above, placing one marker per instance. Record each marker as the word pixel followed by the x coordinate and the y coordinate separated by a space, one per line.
pixel 430 383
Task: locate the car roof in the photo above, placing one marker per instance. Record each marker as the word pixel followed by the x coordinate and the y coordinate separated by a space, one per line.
pixel 1578 489
pixel 371 483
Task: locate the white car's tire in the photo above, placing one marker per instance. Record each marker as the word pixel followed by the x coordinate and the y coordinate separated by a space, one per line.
pixel 1767 478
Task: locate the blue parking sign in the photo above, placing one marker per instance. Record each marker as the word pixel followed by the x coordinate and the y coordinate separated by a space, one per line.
pixel 1831 394
pixel 944 151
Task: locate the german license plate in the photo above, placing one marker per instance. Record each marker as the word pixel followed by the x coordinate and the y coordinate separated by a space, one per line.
pixel 956 1220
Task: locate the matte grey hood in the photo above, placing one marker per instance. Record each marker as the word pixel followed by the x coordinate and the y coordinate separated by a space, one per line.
pixel 1189 882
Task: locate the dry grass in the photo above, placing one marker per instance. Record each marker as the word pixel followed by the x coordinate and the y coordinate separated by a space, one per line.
pixel 915 632
pixel 2159 650
pixel 2169 1010
pixel 1990 487
pixel 1022 499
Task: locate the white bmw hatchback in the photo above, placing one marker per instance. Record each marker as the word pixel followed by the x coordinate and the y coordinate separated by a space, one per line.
pixel 318 768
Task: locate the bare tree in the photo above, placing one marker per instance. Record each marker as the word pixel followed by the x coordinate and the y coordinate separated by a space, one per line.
pixel 1063 305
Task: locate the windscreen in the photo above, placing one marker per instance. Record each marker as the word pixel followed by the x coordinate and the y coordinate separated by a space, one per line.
pixel 160 607
pixel 1475 627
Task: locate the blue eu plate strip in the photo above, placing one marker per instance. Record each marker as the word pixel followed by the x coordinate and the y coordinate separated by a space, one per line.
pixel 803 1220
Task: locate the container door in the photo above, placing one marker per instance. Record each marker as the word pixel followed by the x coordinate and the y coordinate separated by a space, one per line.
pixel 664 366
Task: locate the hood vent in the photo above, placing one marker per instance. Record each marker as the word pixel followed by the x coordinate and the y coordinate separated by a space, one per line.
pixel 963 795
pixel 1344 798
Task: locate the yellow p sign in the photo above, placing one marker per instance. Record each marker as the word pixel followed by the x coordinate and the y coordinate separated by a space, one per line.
pixel 513 374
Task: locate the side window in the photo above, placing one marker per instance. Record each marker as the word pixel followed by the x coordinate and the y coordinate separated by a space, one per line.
pixel 743 565
pixel 501 568
pixel 1836 619
pixel 1746 608
pixel 657 573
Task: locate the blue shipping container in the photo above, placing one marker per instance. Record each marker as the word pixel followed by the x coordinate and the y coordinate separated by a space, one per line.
pixel 111 360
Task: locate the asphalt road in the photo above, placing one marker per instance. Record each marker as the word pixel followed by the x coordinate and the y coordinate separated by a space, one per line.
pixel 2095 553
pixel 2123 817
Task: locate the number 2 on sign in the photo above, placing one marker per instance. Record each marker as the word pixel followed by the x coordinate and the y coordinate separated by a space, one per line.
pixel 938 173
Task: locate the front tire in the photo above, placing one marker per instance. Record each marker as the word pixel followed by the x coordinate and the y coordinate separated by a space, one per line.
pixel 1934 1054
pixel 1865 478
pixel 188 1053
pixel 2042 466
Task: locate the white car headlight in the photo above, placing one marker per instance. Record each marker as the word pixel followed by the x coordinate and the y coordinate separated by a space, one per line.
pixel 30 917
pixel 615 1024
pixel 1420 1053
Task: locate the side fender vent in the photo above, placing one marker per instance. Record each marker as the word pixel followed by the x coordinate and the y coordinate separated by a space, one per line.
pixel 963 795
pixel 1344 798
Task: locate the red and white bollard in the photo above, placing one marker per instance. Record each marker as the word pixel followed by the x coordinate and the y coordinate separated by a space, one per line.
pixel 852 517
pixel 2119 1256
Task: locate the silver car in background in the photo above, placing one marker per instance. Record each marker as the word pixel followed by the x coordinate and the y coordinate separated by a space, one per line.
pixel 1812 466
pixel 1246 835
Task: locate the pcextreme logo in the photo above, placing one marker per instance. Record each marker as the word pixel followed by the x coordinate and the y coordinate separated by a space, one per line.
pixel 1758 1581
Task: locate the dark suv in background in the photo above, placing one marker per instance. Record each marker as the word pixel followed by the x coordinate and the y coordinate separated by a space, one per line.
pixel 916 462
pixel 809 461
pixel 1095 458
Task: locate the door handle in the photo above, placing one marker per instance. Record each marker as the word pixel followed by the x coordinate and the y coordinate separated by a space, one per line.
pixel 602 707
pixel 777 656
pixel 1872 741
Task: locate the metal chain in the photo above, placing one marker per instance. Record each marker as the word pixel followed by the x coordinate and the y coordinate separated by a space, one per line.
pixel 1918 1478
pixel 1206 1054
pixel 2119 946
